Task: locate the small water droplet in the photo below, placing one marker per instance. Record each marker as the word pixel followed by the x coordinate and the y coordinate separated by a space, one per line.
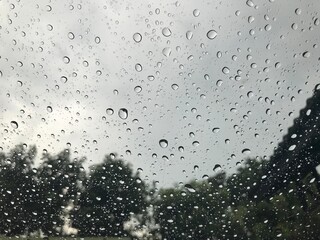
pixel 123 113
pixel 97 40
pixel 110 111
pixel 189 35
pixel 212 34
pixel 246 151
pixel 189 188
pixel 71 35
pixel 14 124
pixel 306 54
pixel 175 86
pixel 138 67
pixel 225 70
pixel 196 12
pixel 138 89
pixel 49 109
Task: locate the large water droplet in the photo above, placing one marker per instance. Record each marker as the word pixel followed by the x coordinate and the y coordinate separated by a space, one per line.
pixel 123 113
pixel 196 12
pixel 246 151
pixel 189 188
pixel 166 51
pixel 163 143
pixel 166 32
pixel 138 67
pixel 14 124
pixel 212 34
pixel 189 35
pixel 49 109
pixel 137 37
pixel 225 70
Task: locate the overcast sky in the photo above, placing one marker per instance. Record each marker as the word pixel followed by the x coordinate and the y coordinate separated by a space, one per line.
pixel 180 69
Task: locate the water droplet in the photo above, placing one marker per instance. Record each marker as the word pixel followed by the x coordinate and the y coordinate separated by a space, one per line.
pixel 138 89
pixel 163 143
pixel 217 167
pixel 71 35
pixel 123 113
pixel 298 11
pixel 225 70
pixel 195 143
pixel 306 54
pixel 64 79
pixel 219 83
pixel 196 12
pixel 246 151
pixel 49 109
pixel 97 40
pixel 316 22
pixel 292 147
pixel 294 26
pixel 250 3
pixel 138 67
pixel 250 94
pixel 175 86
pixel 166 32
pixel 189 188
pixel 66 59
pixel 14 124
pixel 212 34
pixel 215 130
pixel 189 35
pixel 166 51
pixel 110 111
pixel 19 83
pixel 137 37
pixel 150 77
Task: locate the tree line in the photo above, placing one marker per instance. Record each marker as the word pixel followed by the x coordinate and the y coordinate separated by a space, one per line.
pixel 59 197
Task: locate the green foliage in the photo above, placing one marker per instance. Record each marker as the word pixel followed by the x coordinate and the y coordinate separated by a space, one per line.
pixel 112 192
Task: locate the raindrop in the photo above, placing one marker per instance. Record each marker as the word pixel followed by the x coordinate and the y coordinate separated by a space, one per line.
pixel 246 151
pixel 306 54
pixel 97 40
pixel 71 35
pixel 166 32
pixel 138 67
pixel 175 86
pixel 217 167
pixel 189 35
pixel 150 77
pixel 189 188
pixel 63 79
pixel 163 143
pixel 14 124
pixel 110 111
pixel 196 12
pixel 138 89
pixel 66 59
pixel 166 51
pixel 250 3
pixel 212 34
pixel 225 70
pixel 123 113
pixel 215 130
pixel 137 37
pixel 292 147
pixel 49 109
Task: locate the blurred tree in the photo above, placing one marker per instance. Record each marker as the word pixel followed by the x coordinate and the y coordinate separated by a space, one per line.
pixel 18 191
pixel 112 192
pixel 60 181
